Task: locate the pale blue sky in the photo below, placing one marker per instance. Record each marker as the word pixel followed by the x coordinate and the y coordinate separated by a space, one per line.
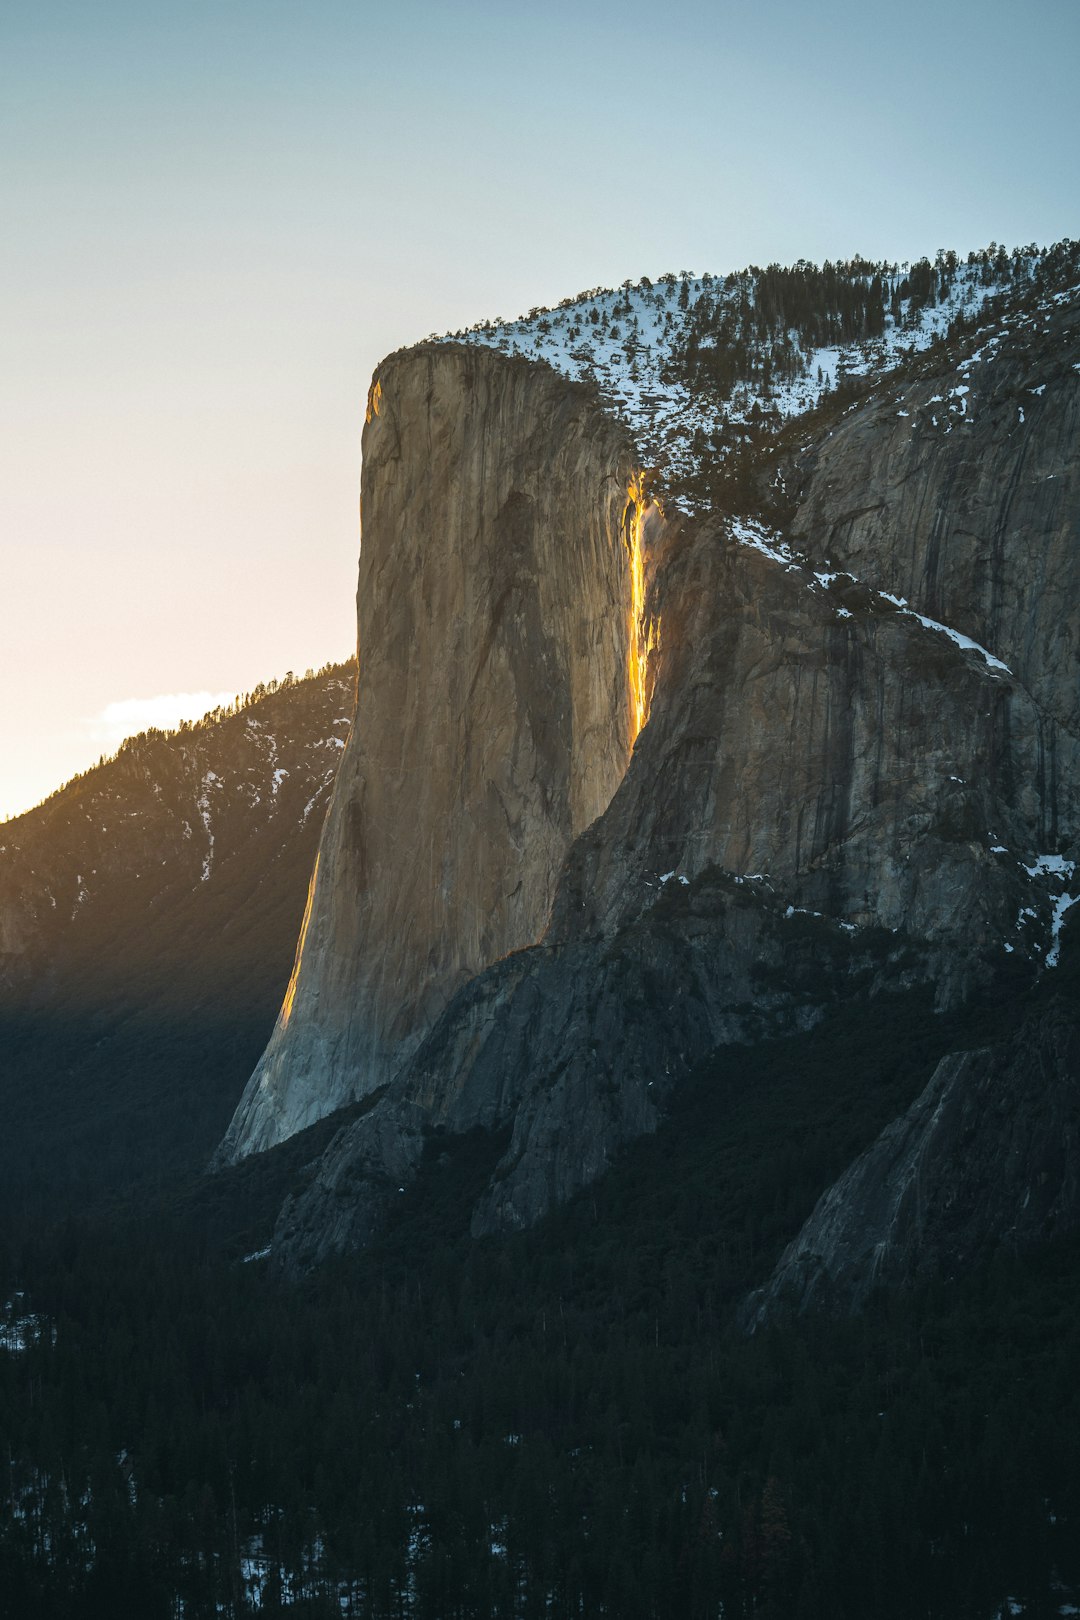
pixel 216 217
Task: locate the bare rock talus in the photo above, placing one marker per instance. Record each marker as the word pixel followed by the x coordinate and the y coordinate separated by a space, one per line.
pixel 494 713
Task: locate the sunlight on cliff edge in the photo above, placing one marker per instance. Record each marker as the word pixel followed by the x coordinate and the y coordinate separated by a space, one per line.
pixel 290 994
pixel 643 640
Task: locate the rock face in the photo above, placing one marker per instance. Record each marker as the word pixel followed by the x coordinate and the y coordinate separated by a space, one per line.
pixel 960 491
pixel 861 762
pixel 812 811
pixel 987 1157
pixel 574 1049
pixel 494 721
pixel 859 770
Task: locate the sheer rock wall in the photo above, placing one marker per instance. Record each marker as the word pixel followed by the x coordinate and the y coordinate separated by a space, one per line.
pixel 493 717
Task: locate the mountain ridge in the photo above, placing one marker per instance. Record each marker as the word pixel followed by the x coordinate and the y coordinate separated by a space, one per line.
pixel 148 914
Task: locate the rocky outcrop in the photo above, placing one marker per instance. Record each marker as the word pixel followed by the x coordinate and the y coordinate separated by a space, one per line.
pixel 574 1049
pixel 987 1158
pixel 494 721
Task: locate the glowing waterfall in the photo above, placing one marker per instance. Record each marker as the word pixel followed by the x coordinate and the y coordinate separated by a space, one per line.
pixel 644 634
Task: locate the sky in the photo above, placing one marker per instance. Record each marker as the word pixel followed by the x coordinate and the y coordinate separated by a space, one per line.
pixel 218 215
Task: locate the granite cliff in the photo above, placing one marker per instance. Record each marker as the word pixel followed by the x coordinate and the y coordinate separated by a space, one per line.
pixel 494 721
pixel 858 771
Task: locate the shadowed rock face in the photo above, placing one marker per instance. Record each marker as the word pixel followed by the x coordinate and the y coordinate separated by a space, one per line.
pixel 987 1157
pixel 863 764
pixel 960 491
pixel 493 718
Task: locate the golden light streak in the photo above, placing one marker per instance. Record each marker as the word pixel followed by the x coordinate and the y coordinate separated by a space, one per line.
pixel 290 994
pixel 374 400
pixel 644 634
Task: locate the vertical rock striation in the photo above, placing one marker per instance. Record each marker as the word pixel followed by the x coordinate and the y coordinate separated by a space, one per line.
pixel 495 713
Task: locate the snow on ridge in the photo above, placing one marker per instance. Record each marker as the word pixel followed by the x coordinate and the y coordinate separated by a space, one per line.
pixel 965 643
pixel 630 341
pixel 626 354
pixel 1057 921
pixel 751 533
pixel 1055 867
pixel 1047 864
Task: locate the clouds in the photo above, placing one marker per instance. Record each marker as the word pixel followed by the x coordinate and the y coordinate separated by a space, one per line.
pixel 125 717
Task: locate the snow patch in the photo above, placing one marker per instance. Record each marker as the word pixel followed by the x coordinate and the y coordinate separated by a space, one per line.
pixel 1056 871
pixel 202 804
pixel 962 641
pixel 20 1329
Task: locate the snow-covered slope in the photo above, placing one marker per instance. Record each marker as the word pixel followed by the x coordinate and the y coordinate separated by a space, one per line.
pixel 647 345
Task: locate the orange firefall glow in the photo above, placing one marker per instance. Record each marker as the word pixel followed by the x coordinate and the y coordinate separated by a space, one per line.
pixel 290 994
pixel 374 400
pixel 644 636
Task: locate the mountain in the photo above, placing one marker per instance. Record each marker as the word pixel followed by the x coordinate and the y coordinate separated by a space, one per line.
pixel 657 1194
pixel 148 920
pixel 847 680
